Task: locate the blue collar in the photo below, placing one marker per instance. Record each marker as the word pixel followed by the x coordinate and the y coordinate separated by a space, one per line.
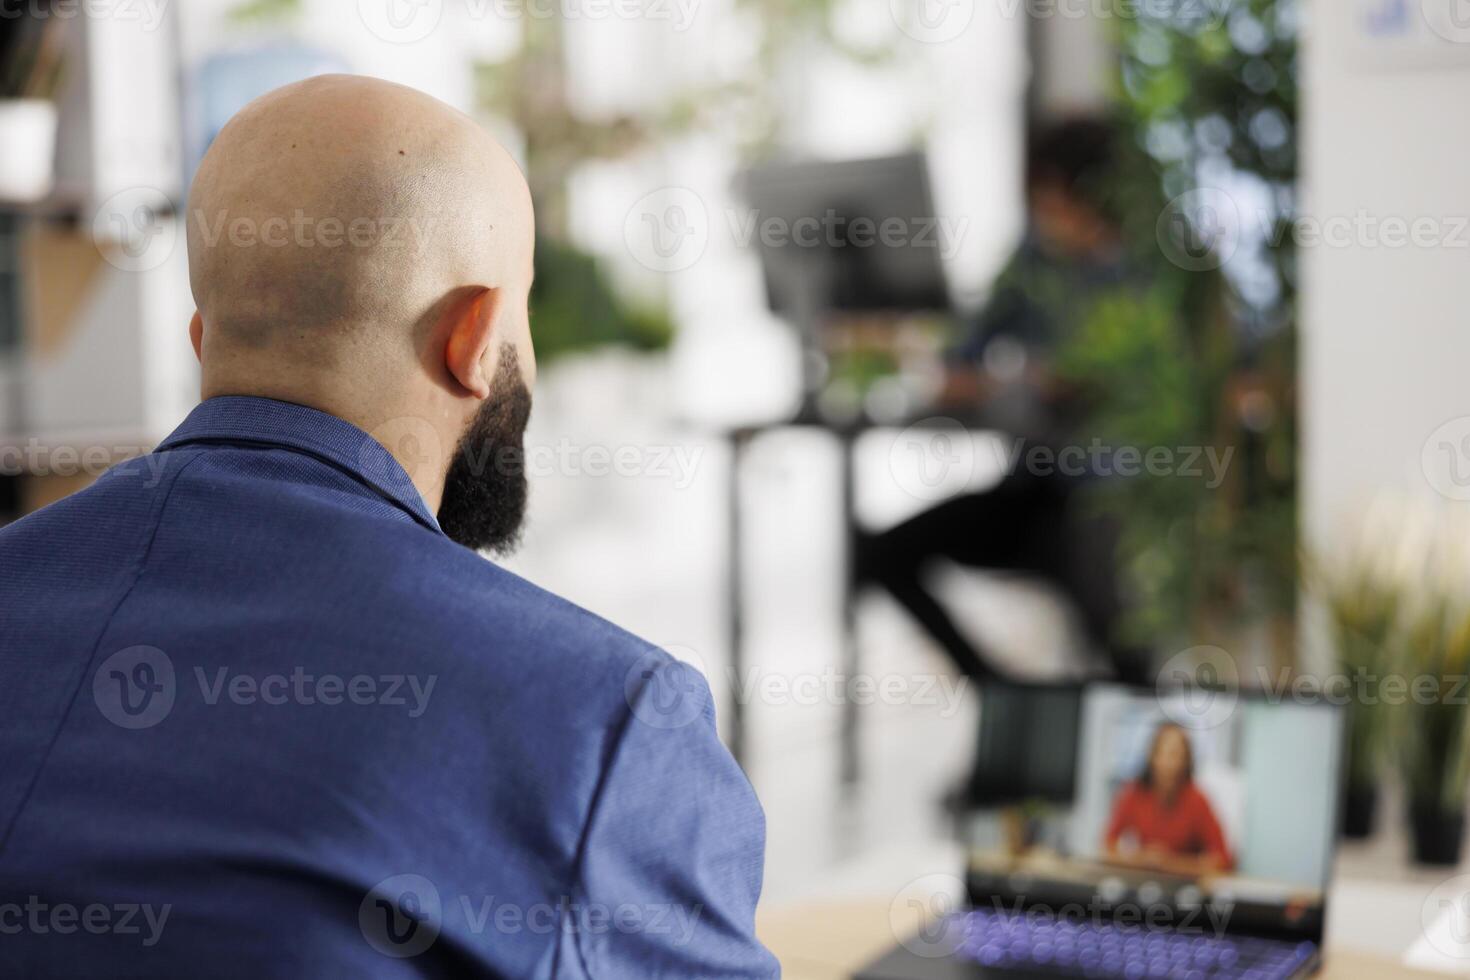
pixel 244 419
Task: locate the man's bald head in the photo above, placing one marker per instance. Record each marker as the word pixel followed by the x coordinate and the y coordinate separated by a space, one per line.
pixel 363 249
pixel 343 210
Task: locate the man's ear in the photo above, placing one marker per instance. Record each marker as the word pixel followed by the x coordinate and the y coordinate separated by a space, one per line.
pixel 471 325
pixel 196 336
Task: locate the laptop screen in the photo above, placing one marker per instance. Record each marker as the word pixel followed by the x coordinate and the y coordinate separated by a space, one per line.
pixel 1202 809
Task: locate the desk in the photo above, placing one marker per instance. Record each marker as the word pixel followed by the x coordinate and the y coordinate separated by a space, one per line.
pixel 833 941
pixel 846 434
pixel 740 440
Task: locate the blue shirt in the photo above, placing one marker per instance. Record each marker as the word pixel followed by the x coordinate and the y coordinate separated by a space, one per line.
pixel 259 717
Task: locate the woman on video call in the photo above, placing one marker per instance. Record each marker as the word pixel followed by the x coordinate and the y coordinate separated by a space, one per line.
pixel 1161 821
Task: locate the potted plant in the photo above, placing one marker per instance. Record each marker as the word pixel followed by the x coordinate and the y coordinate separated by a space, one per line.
pixel 30 70
pixel 1363 611
pixel 1433 736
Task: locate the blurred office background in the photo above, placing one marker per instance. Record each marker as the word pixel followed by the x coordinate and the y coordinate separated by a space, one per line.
pixel 1289 181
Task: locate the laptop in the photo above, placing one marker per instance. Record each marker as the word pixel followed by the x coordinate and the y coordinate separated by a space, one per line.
pixel 1197 843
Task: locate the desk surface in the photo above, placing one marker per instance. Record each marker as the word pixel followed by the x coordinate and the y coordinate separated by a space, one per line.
pixel 833 941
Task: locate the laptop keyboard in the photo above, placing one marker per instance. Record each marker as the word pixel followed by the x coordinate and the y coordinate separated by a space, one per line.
pixel 1107 950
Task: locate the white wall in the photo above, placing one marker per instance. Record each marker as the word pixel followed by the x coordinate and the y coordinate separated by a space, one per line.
pixel 1385 339
pixel 1077 61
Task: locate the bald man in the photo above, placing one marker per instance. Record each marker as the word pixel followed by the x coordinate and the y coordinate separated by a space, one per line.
pixel 264 711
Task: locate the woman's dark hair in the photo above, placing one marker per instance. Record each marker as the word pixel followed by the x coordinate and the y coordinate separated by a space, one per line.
pixel 1146 778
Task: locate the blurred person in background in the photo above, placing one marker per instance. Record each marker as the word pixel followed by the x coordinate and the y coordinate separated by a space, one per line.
pixel 1030 523
pixel 1161 821
pixel 263 704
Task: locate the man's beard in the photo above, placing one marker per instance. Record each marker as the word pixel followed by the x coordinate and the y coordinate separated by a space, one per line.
pixel 484 501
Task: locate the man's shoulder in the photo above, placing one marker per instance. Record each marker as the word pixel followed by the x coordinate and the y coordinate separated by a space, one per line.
pixel 459 591
pixel 539 608
pixel 496 631
pixel 380 580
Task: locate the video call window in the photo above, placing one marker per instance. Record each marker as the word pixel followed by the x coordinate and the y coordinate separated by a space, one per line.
pixel 1238 791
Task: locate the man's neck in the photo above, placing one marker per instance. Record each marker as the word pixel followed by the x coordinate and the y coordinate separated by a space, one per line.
pixel 419 443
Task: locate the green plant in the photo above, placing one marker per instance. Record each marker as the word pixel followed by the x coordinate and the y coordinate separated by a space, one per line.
pixel 1433 730
pixel 574 308
pixel 1364 610
pixel 32 56
pixel 1204 356
pixel 264 11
